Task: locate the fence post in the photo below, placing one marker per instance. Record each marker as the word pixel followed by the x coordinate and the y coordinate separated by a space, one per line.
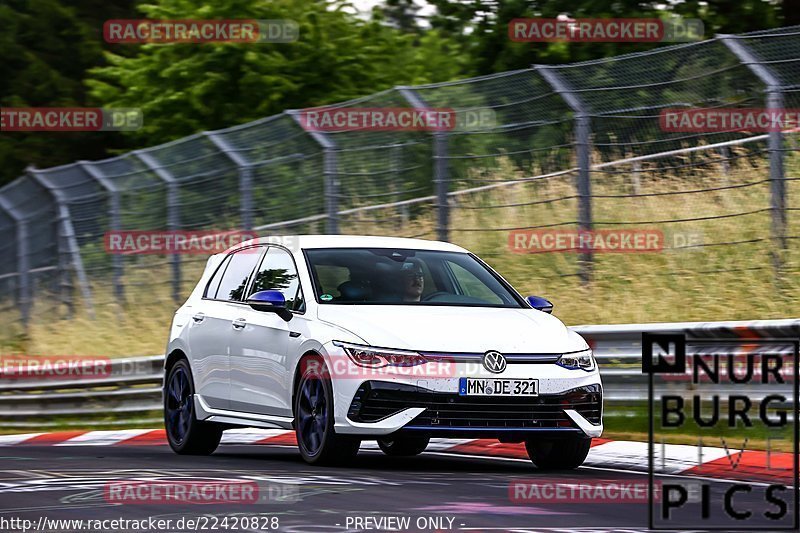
pixel 115 224
pixel 441 167
pixel 24 298
pixel 725 153
pixel 637 177
pixel 776 173
pixel 173 214
pixel 583 154
pixel 330 172
pixel 777 181
pixel 245 177
pixel 441 178
pixel 67 237
pixel 397 162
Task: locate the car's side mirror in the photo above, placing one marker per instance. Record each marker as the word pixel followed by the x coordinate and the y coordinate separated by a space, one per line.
pixel 542 304
pixel 270 301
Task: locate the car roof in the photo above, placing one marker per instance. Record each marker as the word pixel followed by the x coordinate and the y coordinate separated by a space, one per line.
pixel 306 242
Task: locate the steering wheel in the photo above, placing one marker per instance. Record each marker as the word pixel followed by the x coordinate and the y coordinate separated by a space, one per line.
pixel 434 295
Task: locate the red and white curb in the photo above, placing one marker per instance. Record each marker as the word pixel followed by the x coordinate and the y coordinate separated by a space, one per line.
pixel 620 455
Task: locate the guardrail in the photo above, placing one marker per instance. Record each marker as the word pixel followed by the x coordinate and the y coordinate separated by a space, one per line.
pixel 129 386
pixel 132 386
pixel 618 349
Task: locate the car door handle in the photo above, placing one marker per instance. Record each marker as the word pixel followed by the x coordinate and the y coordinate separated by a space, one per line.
pixel 239 323
pixel 199 317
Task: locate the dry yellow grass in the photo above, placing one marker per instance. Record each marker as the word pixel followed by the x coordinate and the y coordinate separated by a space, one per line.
pixel 701 284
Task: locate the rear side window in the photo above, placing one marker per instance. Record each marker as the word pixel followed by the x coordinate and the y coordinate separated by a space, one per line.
pixel 213 285
pixel 238 271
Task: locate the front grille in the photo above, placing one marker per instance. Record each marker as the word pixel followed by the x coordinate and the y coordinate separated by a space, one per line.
pixel 477 357
pixel 376 400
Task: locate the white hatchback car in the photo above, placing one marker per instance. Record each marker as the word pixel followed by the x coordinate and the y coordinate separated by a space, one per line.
pixel 345 339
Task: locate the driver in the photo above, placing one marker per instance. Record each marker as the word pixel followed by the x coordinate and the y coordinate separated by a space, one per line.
pixel 413 281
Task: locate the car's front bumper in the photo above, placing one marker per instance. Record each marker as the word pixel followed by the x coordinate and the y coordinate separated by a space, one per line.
pixel 427 401
pixel 574 411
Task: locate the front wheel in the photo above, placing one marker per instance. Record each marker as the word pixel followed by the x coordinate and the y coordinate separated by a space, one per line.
pixel 313 408
pixel 186 435
pixel 403 446
pixel 558 454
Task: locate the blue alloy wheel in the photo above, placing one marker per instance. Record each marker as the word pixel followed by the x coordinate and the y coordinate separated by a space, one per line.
pixel 313 414
pixel 313 409
pixel 179 405
pixel 185 433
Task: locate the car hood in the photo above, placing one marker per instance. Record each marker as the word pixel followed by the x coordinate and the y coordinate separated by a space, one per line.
pixel 454 329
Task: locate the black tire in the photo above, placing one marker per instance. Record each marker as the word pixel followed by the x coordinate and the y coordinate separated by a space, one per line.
pixel 558 454
pixel 186 435
pixel 318 442
pixel 405 446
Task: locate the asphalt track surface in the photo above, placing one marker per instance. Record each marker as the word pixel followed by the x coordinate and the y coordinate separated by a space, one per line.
pixel 68 483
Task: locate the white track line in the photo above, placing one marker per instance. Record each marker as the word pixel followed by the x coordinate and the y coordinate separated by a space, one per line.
pixel 622 456
pixel 103 438
pixel 671 459
pixel 250 436
pixel 10 440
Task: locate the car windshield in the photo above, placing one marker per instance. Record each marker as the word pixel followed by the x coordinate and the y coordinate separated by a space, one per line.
pixel 390 276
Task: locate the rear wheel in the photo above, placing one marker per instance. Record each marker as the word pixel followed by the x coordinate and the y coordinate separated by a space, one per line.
pixel 404 446
pixel 186 435
pixel 558 454
pixel 313 407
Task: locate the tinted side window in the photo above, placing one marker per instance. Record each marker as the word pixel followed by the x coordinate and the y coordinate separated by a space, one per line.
pixel 213 285
pixel 331 277
pixel 278 273
pixel 235 278
pixel 472 286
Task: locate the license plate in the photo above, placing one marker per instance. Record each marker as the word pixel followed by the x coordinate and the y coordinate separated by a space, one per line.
pixel 498 387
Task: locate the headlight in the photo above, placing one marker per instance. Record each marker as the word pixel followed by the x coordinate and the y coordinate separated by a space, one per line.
pixel 583 360
pixel 379 357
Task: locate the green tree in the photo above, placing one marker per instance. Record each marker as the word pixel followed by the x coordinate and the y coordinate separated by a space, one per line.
pixel 401 14
pixel 184 88
pixel 46 47
pixel 790 12
pixel 481 26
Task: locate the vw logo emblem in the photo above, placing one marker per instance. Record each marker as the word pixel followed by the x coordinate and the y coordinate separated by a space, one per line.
pixel 494 362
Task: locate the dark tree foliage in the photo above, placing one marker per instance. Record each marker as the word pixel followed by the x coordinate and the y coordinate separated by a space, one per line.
pixel 46 49
pixel 52 54
pixel 481 26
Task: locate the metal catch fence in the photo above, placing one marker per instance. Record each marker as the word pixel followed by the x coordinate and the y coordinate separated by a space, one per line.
pixel 568 147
